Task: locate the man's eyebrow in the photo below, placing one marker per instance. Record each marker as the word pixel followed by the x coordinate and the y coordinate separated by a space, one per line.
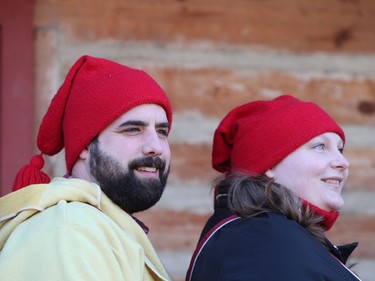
pixel 133 123
pixel 143 124
pixel 163 125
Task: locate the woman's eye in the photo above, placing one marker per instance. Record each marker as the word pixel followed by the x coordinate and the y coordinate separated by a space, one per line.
pixel 320 146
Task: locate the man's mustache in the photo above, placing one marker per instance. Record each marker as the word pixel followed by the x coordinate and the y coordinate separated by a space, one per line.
pixel 155 162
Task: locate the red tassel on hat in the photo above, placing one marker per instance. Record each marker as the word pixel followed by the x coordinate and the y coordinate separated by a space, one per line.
pixel 31 174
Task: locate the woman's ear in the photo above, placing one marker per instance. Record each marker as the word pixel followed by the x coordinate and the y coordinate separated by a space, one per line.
pixel 270 173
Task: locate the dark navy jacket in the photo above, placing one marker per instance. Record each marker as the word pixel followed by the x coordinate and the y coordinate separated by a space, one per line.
pixel 268 247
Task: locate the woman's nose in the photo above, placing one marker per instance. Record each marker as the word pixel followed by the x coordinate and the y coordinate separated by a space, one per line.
pixel 340 162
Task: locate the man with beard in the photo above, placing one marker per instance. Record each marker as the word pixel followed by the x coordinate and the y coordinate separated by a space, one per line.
pixel 113 123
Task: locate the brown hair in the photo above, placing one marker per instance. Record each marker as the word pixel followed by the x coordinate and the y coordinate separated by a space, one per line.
pixel 249 196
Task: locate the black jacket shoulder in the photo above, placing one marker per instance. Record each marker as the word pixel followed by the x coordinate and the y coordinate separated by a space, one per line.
pixel 266 247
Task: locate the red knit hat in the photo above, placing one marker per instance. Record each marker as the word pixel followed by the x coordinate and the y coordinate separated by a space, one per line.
pixel 256 136
pixel 95 92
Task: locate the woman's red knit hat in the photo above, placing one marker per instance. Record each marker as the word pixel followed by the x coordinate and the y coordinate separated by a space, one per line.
pixel 256 136
pixel 95 92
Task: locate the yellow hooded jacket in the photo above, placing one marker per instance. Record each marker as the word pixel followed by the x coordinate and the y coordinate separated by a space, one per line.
pixel 69 230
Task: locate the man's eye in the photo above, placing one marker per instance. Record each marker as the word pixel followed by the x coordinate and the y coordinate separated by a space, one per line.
pixel 163 132
pixel 131 130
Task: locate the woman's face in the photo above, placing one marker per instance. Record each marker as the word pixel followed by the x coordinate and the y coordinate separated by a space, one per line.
pixel 315 172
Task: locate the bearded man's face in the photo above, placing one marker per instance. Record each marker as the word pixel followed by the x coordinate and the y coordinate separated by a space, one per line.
pixel 122 186
pixel 130 158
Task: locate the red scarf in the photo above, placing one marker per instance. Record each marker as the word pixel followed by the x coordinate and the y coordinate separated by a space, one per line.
pixel 329 217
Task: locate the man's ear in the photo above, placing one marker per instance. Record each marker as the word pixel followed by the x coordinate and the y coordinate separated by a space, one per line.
pixel 84 154
pixel 270 173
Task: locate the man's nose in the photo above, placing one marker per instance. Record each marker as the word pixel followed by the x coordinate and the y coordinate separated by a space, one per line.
pixel 152 144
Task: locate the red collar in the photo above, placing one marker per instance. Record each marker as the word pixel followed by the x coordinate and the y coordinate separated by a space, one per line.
pixel 329 217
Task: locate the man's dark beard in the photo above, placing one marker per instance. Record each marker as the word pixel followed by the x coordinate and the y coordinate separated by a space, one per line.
pixel 124 188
